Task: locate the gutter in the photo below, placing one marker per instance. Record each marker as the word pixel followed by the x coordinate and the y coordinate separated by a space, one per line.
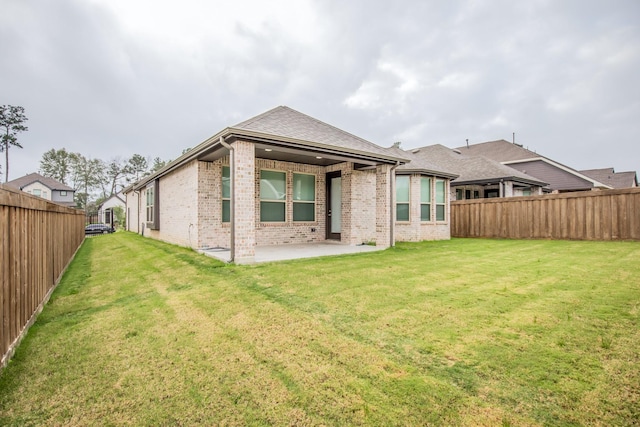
pixel 392 221
pixel 232 205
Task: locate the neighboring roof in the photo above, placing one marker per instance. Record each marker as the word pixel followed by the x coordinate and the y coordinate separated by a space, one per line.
pixel 612 178
pixel 422 165
pixel 472 169
pixel 512 154
pixel 500 150
pixel 291 131
pixel 51 183
pixel 112 197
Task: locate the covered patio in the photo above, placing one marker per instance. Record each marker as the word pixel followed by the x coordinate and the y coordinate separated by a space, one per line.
pixel 273 253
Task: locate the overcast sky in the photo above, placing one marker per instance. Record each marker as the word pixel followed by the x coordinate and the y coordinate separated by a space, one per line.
pixel 111 78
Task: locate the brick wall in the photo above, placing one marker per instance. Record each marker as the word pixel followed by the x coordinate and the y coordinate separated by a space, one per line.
pixel 384 197
pixel 290 231
pixel 178 207
pixel 415 230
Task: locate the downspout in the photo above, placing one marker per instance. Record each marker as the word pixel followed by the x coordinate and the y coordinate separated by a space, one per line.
pixel 392 222
pixel 137 193
pixel 232 245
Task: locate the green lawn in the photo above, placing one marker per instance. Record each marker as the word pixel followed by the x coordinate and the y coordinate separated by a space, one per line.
pixel 462 332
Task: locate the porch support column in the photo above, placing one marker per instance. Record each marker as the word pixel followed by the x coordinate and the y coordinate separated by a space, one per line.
pixel 244 200
pixel 385 216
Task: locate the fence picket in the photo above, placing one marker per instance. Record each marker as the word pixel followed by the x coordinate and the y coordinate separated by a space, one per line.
pixel 586 215
pixel 38 240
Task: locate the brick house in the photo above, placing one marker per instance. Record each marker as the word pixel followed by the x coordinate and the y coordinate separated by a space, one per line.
pixel 283 177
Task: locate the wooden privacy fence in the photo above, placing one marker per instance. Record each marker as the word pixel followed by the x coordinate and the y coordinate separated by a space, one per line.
pixel 585 215
pixel 38 239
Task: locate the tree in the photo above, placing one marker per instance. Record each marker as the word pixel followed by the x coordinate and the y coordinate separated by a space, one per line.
pixel 87 174
pixel 118 213
pixel 137 167
pixel 11 120
pixel 115 172
pixel 56 164
pixel 158 164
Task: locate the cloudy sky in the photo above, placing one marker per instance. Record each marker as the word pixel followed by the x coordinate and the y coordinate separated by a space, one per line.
pixel 110 78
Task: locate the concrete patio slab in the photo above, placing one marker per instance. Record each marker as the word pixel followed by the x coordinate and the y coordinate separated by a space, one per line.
pixel 293 251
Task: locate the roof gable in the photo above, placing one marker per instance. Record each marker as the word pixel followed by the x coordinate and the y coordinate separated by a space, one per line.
pixel 612 178
pixel 51 183
pixel 516 156
pixel 500 150
pixel 288 123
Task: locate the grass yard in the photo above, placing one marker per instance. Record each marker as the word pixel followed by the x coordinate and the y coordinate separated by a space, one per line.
pixel 462 332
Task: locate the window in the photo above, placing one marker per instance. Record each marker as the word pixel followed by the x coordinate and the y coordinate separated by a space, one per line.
pixel 150 204
pixel 526 192
pixel 425 199
pixel 459 194
pixel 402 198
pixel 63 193
pixel 304 197
pixel 273 196
pixel 226 194
pixel 153 205
pixel 45 194
pixel 37 192
pixel 440 200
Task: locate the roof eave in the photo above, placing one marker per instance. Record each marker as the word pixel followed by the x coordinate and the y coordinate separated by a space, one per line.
pixel 316 145
pixel 422 171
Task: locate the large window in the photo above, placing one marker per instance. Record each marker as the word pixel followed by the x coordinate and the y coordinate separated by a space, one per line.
pixel 440 200
pixel 226 194
pixel 425 199
pixel 150 204
pixel 402 198
pixel 304 197
pixel 273 196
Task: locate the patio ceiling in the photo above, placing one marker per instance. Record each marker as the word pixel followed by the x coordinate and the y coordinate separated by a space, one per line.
pixel 272 150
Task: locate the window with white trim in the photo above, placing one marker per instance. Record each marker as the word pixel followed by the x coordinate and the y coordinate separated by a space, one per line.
pixel 150 204
pixel 273 196
pixel 425 199
pixel 304 197
pixel 402 197
pixel 441 200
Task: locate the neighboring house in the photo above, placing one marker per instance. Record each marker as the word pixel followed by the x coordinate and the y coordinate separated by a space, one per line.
pixel 47 188
pixel 105 209
pixel 281 177
pixel 613 179
pixel 560 178
pixel 480 177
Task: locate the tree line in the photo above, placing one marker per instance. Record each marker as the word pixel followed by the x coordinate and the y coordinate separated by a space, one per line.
pixel 95 180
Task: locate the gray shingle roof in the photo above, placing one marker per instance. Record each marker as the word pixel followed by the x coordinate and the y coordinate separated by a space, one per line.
pixel 422 164
pixel 500 150
pixel 53 184
pixel 472 168
pixel 612 178
pixel 288 123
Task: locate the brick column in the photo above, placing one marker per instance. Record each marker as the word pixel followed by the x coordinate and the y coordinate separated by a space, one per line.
pixel 383 206
pixel 244 200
